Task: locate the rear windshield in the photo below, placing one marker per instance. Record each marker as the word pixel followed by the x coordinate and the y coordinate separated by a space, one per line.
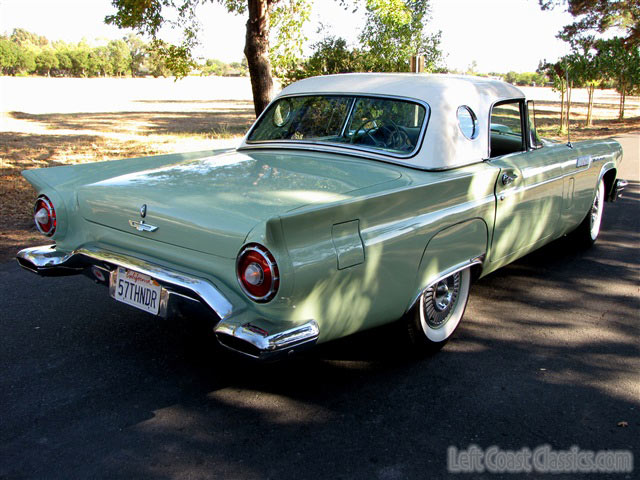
pixel 391 126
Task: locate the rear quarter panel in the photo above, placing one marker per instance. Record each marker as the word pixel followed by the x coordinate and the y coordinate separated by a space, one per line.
pixel 396 226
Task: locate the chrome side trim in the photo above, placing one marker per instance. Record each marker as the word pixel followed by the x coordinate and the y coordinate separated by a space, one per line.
pixel 254 341
pixel 450 271
pixel 48 261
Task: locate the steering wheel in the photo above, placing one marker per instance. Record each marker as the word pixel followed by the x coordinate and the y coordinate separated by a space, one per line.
pixel 393 137
pixel 366 133
pixel 397 138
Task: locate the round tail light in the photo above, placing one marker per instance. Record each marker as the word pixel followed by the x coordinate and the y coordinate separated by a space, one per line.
pixel 45 216
pixel 257 272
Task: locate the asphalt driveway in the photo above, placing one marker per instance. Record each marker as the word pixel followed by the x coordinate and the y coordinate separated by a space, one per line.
pixel 549 353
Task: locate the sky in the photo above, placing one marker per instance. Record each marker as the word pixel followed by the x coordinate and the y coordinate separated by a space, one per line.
pixel 499 35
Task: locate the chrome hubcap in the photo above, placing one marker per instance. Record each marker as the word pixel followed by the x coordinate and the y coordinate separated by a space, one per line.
pixel 440 300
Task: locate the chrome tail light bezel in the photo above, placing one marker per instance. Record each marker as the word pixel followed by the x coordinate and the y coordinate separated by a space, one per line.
pixel 44 202
pixel 274 273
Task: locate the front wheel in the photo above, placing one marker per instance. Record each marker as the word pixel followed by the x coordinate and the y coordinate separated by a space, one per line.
pixel 438 311
pixel 588 231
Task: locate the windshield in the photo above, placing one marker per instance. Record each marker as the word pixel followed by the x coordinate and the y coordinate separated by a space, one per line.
pixel 389 125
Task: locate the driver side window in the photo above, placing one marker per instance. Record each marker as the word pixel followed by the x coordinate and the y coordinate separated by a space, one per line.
pixel 506 128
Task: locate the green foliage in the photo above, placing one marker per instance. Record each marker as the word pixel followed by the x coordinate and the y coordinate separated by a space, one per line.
pixel 622 64
pixel 286 31
pixel 8 56
pixel 532 79
pixel 331 55
pixel 137 52
pixel 394 32
pixel 148 16
pixel 120 57
pixel 26 53
pixel 46 61
pixel 600 16
pixel 221 69
pixel 23 38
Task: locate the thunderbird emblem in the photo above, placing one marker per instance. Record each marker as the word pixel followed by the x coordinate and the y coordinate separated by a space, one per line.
pixel 143 210
pixel 142 227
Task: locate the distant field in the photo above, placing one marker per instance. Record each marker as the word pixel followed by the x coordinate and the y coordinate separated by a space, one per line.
pixel 55 121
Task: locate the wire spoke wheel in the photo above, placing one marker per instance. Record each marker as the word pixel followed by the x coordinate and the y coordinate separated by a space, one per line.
pixel 439 311
pixel 439 300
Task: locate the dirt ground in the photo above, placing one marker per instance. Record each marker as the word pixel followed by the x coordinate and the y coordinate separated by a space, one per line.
pixel 49 122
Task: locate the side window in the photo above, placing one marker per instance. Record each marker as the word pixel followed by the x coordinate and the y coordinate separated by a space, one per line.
pixel 506 128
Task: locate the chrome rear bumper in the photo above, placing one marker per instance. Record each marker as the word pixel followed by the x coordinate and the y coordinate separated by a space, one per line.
pixel 618 188
pixel 254 337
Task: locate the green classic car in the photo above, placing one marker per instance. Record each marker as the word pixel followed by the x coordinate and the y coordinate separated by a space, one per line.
pixel 353 201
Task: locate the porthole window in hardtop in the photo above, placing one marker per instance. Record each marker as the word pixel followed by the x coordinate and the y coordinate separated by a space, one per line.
pixel 388 125
pixel 468 122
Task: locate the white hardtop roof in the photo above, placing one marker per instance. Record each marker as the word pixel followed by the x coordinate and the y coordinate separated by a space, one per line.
pixel 444 146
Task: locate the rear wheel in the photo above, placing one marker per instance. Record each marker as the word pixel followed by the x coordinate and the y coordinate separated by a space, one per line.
pixel 588 231
pixel 439 311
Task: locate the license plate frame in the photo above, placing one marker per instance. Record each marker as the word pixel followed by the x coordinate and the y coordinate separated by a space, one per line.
pixel 136 289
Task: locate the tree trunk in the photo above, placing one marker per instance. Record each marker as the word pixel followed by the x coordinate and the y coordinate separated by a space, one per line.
pixel 623 92
pixel 256 50
pixel 569 89
pixel 590 90
pixel 562 90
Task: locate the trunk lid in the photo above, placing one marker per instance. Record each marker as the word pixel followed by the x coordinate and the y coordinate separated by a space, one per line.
pixel 210 204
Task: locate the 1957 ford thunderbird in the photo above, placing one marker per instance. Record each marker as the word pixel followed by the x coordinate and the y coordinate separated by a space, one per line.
pixel 353 201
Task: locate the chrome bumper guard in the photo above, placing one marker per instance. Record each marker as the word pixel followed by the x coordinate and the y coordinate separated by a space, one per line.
pixel 256 341
pixel 256 338
pixel 618 188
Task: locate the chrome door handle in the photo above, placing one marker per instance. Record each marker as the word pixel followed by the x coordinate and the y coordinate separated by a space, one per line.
pixel 507 179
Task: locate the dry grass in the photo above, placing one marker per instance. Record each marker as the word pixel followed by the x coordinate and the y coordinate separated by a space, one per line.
pixel 40 138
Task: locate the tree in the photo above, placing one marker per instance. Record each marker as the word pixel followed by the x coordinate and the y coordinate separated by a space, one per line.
pixel 395 31
pixel 331 55
pixel 25 38
pixel 556 72
pixel 137 52
pixel 286 26
pixel 26 61
pixel 63 55
pixel 46 61
pixel 99 62
pixel 8 56
pixel 148 16
pixel 119 57
pixel 585 65
pixel 621 64
pixel 600 16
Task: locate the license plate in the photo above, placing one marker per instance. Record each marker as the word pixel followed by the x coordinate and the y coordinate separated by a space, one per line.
pixel 137 290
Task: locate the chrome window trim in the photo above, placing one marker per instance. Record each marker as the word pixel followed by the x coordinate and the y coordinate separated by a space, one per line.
pixel 521 101
pixel 340 146
pixel 474 117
